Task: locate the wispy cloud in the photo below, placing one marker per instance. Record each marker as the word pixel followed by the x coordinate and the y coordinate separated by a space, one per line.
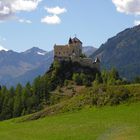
pixel 55 10
pixel 54 19
pixel 25 21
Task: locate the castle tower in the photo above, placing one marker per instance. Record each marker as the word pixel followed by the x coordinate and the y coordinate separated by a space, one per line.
pixel 76 46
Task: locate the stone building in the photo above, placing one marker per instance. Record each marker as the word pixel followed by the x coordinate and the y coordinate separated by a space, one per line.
pixel 73 51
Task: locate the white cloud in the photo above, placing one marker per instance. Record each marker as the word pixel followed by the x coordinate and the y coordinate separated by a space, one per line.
pixel 25 5
pixel 5 10
pixel 25 21
pixel 8 8
pixel 54 19
pixel 128 6
pixel 137 22
pixel 55 10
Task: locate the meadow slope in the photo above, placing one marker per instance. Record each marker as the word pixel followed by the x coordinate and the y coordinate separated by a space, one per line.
pixel 120 122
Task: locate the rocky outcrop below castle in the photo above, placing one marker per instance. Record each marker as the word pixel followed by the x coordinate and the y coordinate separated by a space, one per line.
pixel 64 70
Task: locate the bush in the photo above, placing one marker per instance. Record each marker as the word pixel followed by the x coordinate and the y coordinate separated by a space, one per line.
pixel 77 78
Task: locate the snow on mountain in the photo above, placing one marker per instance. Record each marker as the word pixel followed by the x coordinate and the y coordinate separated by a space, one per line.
pixel 35 50
pixel 41 53
pixel 3 49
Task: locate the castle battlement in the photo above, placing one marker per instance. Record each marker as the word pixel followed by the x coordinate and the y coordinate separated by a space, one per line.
pixel 73 51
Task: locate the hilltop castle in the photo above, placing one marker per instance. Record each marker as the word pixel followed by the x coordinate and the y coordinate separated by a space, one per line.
pixel 73 51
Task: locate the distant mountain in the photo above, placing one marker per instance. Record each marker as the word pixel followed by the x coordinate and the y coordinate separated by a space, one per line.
pixel 35 51
pixel 23 67
pixel 122 52
pixel 89 50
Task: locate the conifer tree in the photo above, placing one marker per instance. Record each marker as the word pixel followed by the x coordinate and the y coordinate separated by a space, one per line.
pixel 18 107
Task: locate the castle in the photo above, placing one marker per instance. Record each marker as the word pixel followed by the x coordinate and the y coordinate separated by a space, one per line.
pixel 73 51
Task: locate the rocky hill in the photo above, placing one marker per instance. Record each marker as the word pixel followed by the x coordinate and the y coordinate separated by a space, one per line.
pixel 122 52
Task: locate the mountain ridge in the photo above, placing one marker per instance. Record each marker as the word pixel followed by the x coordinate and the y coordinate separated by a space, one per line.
pixel 122 52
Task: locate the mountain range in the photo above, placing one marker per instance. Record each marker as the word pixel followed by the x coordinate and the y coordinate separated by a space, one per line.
pixel 122 52
pixel 22 67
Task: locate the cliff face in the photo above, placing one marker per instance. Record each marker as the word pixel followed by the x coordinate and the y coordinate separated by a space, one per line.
pixel 122 52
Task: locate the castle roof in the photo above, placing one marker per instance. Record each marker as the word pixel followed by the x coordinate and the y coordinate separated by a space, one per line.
pixel 74 40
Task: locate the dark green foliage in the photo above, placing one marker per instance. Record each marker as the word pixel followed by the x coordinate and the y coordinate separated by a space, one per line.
pixel 15 102
pixel 83 56
pixel 111 95
pixel 23 100
pixel 77 78
pixel 110 77
pixel 82 79
pixel 67 70
pixel 136 79
pixel 31 98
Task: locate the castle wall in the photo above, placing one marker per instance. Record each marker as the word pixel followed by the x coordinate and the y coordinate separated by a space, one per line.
pixel 68 50
pixel 88 62
pixel 62 51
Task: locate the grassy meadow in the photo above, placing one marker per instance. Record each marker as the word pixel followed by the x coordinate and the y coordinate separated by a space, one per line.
pixel 120 122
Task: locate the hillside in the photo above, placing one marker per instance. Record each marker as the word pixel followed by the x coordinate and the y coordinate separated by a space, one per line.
pixel 66 106
pixel 107 123
pixel 23 100
pixel 122 52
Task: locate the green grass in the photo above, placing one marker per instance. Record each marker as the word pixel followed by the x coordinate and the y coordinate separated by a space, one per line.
pixel 107 123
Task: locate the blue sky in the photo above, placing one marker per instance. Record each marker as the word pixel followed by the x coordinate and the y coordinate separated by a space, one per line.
pixel 93 21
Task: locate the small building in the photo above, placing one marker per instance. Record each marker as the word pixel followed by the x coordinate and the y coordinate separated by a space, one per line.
pixel 73 51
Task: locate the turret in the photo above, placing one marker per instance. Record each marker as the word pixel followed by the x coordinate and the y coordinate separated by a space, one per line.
pixel 70 41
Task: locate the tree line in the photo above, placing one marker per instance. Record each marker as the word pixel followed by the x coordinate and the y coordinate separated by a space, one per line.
pixel 19 101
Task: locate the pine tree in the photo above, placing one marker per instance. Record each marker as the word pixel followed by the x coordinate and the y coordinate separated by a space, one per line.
pixel 18 107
